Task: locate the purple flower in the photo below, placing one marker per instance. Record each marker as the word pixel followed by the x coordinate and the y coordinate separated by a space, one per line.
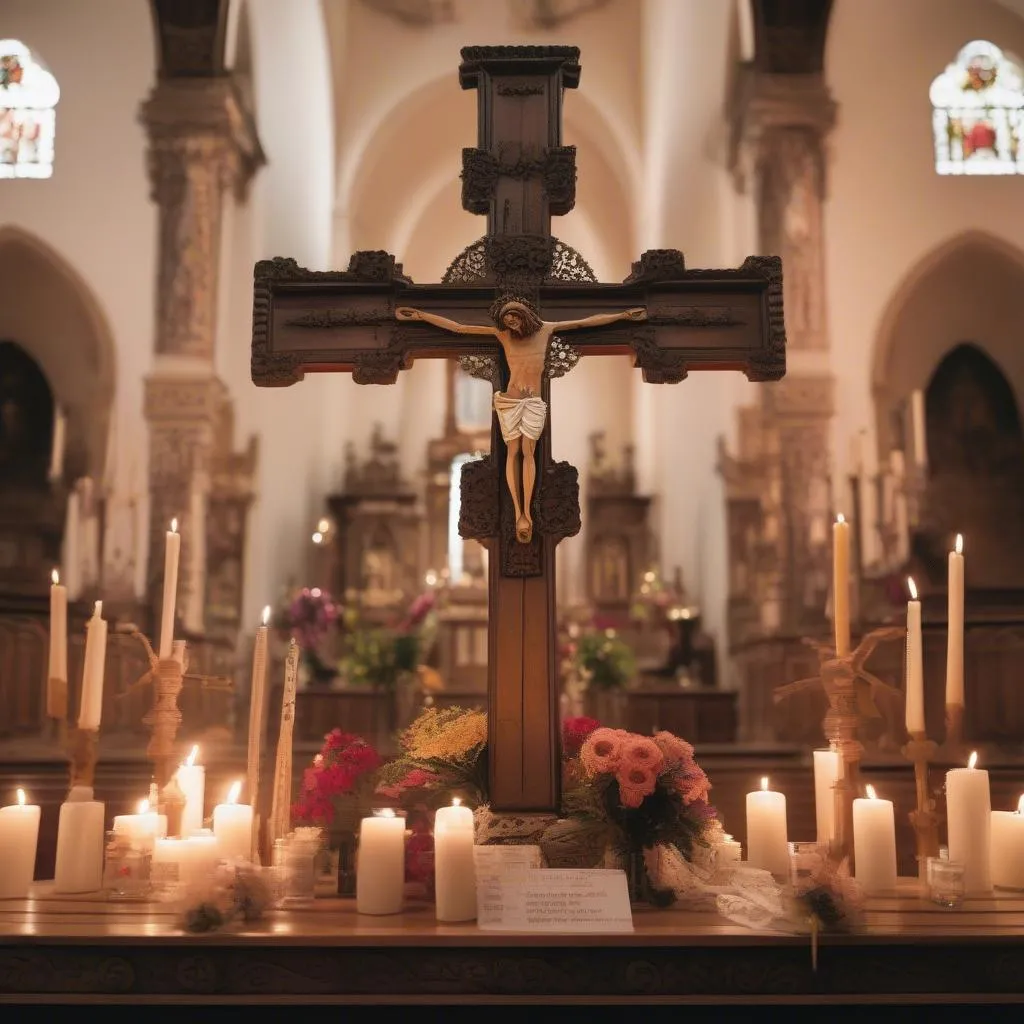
pixel 310 616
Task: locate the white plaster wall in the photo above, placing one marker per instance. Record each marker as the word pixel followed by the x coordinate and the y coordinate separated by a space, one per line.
pixel 888 209
pixel 95 211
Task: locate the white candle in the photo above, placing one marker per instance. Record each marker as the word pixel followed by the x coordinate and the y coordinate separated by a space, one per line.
pixel 172 551
pixel 19 837
pixel 897 465
pixel 955 626
pixel 92 673
pixel 454 870
pixel 841 585
pixel 195 598
pixel 1008 848
pixel 57 447
pixel 79 843
pixel 57 671
pixel 915 664
pixel 917 418
pixel 256 701
pixel 767 836
pixel 192 782
pixel 186 862
pixel 874 843
pixel 143 827
pixel 71 552
pixel 827 770
pixel 380 866
pixel 969 816
pixel 232 825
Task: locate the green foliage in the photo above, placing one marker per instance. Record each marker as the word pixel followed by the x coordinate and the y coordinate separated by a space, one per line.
pixel 606 660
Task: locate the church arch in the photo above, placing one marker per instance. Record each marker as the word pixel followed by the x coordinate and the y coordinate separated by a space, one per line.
pixel 967 289
pixel 50 312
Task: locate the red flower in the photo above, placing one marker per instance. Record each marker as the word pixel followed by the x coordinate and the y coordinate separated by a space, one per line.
pixel 574 733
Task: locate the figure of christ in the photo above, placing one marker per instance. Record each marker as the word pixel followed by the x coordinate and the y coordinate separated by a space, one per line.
pixel 521 410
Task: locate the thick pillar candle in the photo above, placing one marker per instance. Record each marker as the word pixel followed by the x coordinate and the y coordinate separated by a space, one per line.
pixel 1007 848
pixel 185 862
pixel 192 783
pixel 454 870
pixel 969 815
pixel 915 664
pixel 955 626
pixel 142 827
pixel 841 585
pixel 767 836
pixel 380 867
pixel 92 673
pixel 874 843
pixel 172 552
pixel 19 837
pixel 57 671
pixel 232 825
pixel 827 768
pixel 79 843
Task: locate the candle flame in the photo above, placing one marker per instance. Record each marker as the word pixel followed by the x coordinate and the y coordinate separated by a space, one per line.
pixel 870 790
pixel 959 544
pixel 316 592
pixel 456 801
pixel 21 798
pixel 323 526
pixel 266 615
pixel 236 788
pixel 973 759
pixel 174 525
pixel 384 812
pixel 143 807
pixel 193 754
pixel 318 537
pixel 1020 804
pixel 840 518
pixel 55 577
pixel 912 587
pixel 764 783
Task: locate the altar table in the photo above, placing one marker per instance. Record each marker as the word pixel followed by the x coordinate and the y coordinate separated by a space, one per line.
pixel 64 950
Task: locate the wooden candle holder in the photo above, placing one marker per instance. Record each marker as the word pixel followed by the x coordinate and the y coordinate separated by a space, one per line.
pixel 925 819
pixel 82 754
pixel 848 687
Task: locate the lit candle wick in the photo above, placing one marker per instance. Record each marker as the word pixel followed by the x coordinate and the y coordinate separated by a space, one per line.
pixel 912 587
pixel 870 790
pixel 456 801
pixel 174 525
pixel 764 783
pixel 840 518
pixel 21 798
pixel 55 576
pixel 191 759
pixel 143 807
pixel 973 759
pixel 959 544
pixel 1020 804
pixel 384 812
pixel 233 792
pixel 266 615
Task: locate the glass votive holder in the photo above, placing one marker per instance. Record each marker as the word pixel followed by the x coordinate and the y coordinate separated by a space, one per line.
pixel 806 862
pixel 126 866
pixel 945 882
pixel 295 860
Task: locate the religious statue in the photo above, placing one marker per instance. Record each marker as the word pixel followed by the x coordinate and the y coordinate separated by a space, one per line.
pixel 526 341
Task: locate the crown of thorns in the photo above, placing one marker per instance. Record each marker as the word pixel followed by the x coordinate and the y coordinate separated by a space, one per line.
pixel 508 300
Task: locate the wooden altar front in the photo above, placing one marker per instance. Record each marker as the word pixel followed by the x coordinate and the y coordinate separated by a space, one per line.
pixel 62 951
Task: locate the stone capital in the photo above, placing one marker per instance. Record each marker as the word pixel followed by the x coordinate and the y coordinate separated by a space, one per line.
pixel 802 397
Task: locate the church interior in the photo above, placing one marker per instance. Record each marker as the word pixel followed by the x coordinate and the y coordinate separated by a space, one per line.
pixel 151 154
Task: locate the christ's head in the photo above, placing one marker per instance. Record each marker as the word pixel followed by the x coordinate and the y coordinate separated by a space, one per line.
pixel 518 319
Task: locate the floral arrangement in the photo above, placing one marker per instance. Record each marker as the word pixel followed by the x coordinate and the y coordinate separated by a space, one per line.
pixel 307 619
pixel 643 792
pixel 604 659
pixel 442 752
pixel 378 657
pixel 240 891
pixel 337 789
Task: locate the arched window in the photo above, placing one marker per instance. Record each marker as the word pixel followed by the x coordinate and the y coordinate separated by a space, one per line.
pixel 28 95
pixel 978 115
pixel 473 398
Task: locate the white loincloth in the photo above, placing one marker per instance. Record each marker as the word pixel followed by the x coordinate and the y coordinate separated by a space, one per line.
pixel 520 417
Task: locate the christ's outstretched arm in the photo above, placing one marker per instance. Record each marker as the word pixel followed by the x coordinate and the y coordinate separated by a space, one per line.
pixel 600 319
pixel 408 313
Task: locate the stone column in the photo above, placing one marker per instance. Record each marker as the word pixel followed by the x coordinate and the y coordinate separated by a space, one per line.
pixel 201 142
pixel 780 127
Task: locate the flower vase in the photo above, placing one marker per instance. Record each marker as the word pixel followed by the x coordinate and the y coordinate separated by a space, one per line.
pixel 345 843
pixel 636 877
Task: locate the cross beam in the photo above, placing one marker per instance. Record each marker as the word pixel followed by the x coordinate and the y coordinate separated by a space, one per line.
pixel 519 175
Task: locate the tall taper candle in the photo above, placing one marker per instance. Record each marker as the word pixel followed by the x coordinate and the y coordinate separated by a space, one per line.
pixel 172 552
pixel 57 673
pixel 955 626
pixel 915 664
pixel 71 553
pixel 280 812
pixel 841 584
pixel 92 674
pixel 57 444
pixel 256 700
pixel 767 838
pixel 917 423
pixel 969 814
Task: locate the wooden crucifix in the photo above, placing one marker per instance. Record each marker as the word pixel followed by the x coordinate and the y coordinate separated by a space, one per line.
pixel 372 321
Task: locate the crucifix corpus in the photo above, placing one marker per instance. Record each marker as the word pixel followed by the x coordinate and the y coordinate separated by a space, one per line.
pixel 372 321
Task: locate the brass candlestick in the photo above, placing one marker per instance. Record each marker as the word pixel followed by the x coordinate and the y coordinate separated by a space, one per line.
pixel 167 676
pixel 850 690
pixel 82 754
pixel 925 820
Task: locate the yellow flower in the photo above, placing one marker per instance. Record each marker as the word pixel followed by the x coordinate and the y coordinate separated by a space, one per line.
pixel 446 735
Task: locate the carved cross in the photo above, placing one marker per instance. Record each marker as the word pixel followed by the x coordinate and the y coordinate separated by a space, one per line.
pixel 519 175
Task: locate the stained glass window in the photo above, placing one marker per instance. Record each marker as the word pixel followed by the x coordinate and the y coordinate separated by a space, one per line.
pixel 28 95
